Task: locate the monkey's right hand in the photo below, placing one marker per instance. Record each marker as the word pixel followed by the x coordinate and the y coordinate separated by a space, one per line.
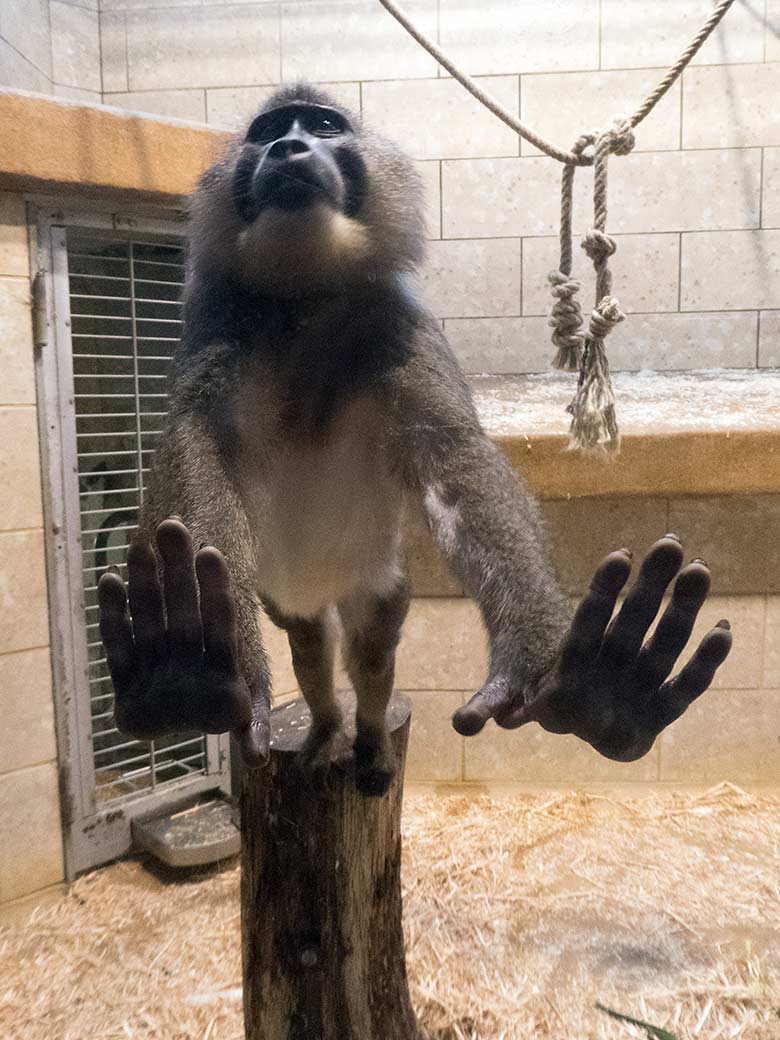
pixel 183 675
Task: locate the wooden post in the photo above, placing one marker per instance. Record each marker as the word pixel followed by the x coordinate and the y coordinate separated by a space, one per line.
pixel 323 951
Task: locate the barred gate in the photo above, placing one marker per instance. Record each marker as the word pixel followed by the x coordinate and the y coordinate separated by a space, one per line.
pixel 109 318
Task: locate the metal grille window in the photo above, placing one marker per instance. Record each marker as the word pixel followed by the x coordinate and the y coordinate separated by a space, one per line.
pixel 114 308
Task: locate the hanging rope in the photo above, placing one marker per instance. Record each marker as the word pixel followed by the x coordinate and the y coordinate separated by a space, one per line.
pixel 594 425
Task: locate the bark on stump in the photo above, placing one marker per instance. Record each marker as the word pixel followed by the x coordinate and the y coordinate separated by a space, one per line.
pixel 323 952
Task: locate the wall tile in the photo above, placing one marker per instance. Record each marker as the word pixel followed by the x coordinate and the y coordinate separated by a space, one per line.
pixel 725 735
pixel 145 5
pixel 677 341
pixel 369 43
pixel 14 259
pixel 645 268
pixel 655 33
pixel 532 755
pixel 233 107
pixel 743 667
pixel 769 340
pixel 582 531
pixel 731 106
pixel 113 49
pixel 426 567
pixel 455 125
pixel 211 47
pixel 495 37
pixel 24 620
pixel 773 30
pixel 681 191
pixel 486 198
pixel 770 208
pixel 469 279
pixel 443 647
pixel 771 677
pixel 435 749
pixel 18 383
pixel 561 107
pixel 27 734
pixel 431 175
pixel 651 191
pixel 25 25
pixel 18 73
pixel 31 850
pixel 730 269
pixel 88 97
pixel 19 469
pixel 176 104
pixel 75 43
pixel 738 536
pixel 500 345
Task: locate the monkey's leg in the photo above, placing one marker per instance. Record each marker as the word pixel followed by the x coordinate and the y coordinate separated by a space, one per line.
pixel 312 645
pixel 372 628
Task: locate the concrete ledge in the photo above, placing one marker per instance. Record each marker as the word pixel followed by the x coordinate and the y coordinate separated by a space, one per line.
pixel 696 433
pixel 53 144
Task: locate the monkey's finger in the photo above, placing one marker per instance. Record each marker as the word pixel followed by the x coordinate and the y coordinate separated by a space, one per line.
pixel 115 628
pixel 487 703
pixel 679 693
pixel 592 616
pixel 146 605
pixel 627 631
pixel 254 740
pixel 658 657
pixel 217 609
pixel 181 595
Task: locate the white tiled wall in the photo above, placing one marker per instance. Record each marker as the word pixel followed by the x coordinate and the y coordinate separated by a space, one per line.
pixel 696 207
pixel 51 47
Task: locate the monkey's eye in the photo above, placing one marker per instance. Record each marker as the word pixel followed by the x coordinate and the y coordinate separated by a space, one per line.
pixel 324 126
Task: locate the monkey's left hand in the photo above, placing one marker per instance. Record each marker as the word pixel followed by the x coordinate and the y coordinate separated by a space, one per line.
pixel 606 685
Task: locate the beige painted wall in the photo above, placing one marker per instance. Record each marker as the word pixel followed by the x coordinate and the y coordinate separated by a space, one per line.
pixel 30 834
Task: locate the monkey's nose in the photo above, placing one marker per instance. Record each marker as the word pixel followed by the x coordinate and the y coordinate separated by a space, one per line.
pixel 287 148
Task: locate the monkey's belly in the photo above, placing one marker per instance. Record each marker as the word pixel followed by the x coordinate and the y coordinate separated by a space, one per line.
pixel 328 529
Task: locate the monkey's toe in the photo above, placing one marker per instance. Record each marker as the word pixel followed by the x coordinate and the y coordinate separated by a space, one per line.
pixel 374 766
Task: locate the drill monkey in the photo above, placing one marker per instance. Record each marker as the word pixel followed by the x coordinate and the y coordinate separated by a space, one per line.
pixel 314 397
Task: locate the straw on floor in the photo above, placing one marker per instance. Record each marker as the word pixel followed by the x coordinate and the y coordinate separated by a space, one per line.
pixel 521 913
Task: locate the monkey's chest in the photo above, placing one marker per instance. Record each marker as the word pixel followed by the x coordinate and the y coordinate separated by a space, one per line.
pixel 326 519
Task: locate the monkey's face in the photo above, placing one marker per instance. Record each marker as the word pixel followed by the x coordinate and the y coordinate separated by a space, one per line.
pixel 296 156
pixel 306 200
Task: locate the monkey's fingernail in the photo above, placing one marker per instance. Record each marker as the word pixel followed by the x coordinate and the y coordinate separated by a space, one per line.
pixel 112 569
pixel 698 559
pixel 175 516
pixel 723 623
pixel 628 553
pixel 674 536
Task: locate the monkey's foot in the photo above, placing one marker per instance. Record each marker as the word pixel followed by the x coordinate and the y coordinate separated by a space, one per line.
pixel 374 765
pixel 325 746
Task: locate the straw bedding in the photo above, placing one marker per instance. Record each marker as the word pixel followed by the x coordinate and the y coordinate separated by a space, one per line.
pixel 521 913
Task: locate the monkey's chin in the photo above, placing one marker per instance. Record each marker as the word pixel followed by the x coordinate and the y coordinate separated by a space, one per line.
pixel 290 252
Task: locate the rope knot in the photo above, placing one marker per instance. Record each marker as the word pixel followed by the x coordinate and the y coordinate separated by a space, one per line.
pixel 565 320
pixel 606 315
pixel 599 246
pixel 622 138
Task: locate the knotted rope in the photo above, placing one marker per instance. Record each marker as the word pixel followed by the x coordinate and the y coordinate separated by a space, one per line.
pixel 594 426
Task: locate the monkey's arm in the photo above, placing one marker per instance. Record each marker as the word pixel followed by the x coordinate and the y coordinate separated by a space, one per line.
pixel 187 654
pixel 570 674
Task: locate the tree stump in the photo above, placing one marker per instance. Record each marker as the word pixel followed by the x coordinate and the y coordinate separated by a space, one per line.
pixel 323 951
